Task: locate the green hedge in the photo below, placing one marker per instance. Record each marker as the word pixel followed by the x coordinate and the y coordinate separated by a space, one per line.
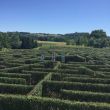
pixel 37 91
pixel 85 70
pixel 31 61
pixel 15 88
pixel 60 76
pixel 74 58
pixel 16 75
pixel 18 69
pixel 44 69
pixel 37 103
pixel 49 64
pixel 87 80
pixel 36 76
pixel 52 88
pixel 85 96
pixel 68 71
pixel 97 67
pixel 104 69
pixel 12 80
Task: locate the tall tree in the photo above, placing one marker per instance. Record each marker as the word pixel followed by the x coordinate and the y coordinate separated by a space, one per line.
pixel 27 43
pixel 98 34
pixel 15 41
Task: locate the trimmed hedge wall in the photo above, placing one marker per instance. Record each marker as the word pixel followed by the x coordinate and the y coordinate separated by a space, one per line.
pixel 37 91
pixel 36 76
pixel 60 76
pixel 37 103
pixel 52 88
pixel 12 80
pixel 15 88
pixel 43 69
pixel 16 75
pixel 87 80
pixel 85 96
pixel 75 58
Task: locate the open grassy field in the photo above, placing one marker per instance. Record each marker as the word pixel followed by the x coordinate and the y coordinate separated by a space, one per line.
pixel 49 43
pixel 80 82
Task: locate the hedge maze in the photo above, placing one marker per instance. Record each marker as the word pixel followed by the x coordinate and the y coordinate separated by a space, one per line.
pixel 73 78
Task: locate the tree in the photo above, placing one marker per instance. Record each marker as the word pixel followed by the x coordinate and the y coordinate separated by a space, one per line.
pixel 5 41
pixel 27 43
pixel 91 42
pixel 70 42
pixel 98 34
pixel 15 42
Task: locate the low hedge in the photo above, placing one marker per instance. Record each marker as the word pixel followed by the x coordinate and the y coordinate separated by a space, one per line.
pixel 15 88
pixel 87 80
pixel 52 88
pixel 85 96
pixel 75 58
pixel 36 76
pixel 68 71
pixel 31 61
pixel 18 69
pixel 37 91
pixel 85 70
pixel 60 76
pixel 104 69
pixel 37 103
pixel 16 75
pixel 43 69
pixel 12 80
pixel 97 67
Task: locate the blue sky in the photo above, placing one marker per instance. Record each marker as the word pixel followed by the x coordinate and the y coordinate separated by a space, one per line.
pixel 54 16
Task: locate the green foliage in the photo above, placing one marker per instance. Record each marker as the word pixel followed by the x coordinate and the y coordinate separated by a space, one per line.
pixel 15 41
pixel 37 91
pixel 48 64
pixel 36 76
pixel 37 103
pixel 98 34
pixel 87 80
pixel 74 58
pixel 97 38
pixel 28 43
pixel 85 96
pixel 12 80
pixel 52 88
pixel 16 75
pixel 15 88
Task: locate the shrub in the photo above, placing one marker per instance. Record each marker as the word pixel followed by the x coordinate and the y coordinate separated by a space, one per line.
pixel 14 88
pixel 74 58
pixel 37 103
pixel 12 80
pixel 52 88
pixel 16 75
pixel 85 96
pixel 87 80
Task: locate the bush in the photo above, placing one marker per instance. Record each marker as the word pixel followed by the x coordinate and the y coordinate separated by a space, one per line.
pixel 87 80
pixel 74 58
pixel 16 75
pixel 14 88
pixel 37 103
pixel 52 88
pixel 85 96
pixel 48 64
pixel 36 76
pixel 12 80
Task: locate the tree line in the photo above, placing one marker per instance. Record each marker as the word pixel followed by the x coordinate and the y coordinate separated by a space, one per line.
pixel 15 41
pixel 97 38
pixel 25 40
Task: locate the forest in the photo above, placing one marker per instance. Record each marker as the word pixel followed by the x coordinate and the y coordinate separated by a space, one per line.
pixel 26 40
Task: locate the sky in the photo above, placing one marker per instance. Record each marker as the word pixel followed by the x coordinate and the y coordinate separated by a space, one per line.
pixel 54 16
